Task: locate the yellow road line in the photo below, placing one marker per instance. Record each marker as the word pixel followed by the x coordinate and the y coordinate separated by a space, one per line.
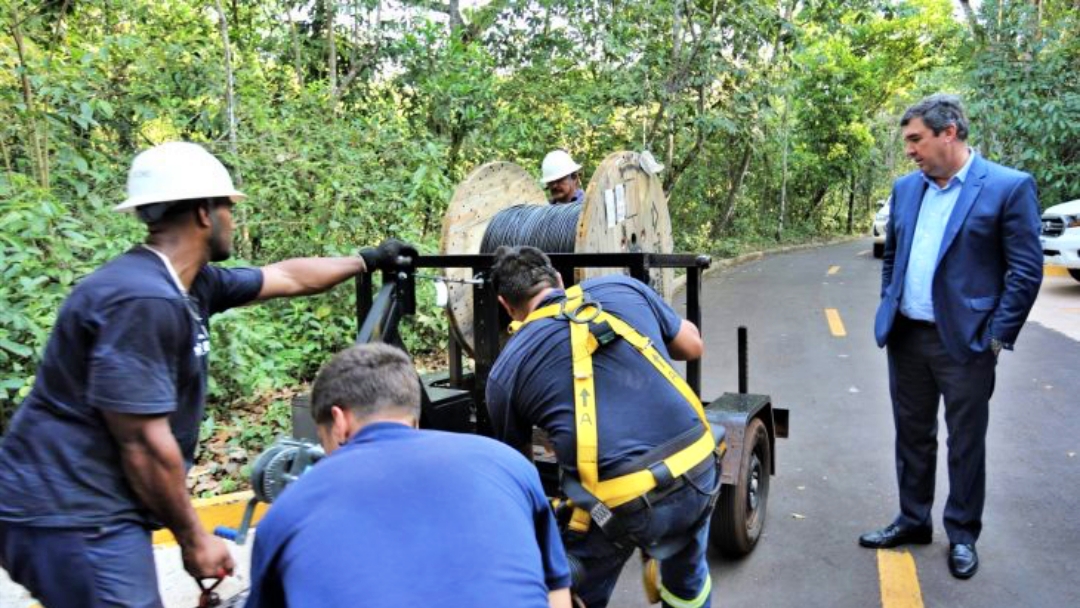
pixel 834 269
pixel 226 510
pixel 836 326
pixel 1055 271
pixel 899 580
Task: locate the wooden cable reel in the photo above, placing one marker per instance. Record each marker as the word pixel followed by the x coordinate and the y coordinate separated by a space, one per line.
pixel 624 212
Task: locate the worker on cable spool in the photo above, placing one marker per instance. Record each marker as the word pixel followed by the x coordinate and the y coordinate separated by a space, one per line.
pixel 97 454
pixel 561 178
pixel 591 367
pixel 398 516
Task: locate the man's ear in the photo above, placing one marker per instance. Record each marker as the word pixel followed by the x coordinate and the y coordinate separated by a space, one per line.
pixel 558 275
pixel 341 424
pixel 506 306
pixel 204 214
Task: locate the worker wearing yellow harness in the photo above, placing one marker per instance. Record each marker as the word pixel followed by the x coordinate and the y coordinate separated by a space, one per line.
pixel 591 367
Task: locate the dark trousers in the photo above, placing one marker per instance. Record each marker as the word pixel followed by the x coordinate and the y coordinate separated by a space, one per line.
pixel 920 374
pixel 684 576
pixel 76 568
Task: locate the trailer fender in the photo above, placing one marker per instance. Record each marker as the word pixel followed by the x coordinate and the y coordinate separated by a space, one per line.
pixel 735 411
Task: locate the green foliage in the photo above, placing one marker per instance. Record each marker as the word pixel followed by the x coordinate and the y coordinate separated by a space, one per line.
pixel 1029 60
pixel 747 103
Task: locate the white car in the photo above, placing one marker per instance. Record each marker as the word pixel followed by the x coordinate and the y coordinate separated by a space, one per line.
pixel 1060 236
pixel 881 219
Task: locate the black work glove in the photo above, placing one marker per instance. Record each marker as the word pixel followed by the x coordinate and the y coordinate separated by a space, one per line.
pixel 385 256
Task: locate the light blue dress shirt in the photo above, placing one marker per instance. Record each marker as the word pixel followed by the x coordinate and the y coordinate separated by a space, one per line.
pixel 917 301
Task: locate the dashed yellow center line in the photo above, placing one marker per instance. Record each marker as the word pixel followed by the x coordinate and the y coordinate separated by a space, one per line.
pixel 1055 271
pixel 834 269
pixel 899 580
pixel 836 326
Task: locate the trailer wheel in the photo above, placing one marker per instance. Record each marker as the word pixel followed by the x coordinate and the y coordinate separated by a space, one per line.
pixel 740 512
pixel 1074 273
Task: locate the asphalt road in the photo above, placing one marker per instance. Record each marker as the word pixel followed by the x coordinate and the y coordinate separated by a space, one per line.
pixel 835 474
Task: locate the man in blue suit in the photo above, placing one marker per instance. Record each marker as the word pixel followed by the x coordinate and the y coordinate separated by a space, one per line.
pixel 962 267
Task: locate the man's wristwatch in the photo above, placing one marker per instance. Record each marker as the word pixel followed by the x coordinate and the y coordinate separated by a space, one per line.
pixel 996 346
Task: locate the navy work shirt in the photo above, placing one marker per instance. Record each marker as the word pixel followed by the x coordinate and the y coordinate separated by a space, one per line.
pixel 127 340
pixel 404 517
pixel 637 409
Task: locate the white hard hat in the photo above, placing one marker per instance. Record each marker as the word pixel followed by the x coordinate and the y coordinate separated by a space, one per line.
pixel 557 165
pixel 176 171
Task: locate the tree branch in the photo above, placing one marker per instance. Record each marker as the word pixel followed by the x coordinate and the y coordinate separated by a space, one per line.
pixel 973 21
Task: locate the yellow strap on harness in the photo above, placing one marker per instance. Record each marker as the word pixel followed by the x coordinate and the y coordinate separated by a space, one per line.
pixel 619 490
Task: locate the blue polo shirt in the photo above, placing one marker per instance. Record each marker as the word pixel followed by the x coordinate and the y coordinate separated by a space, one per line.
pixel 127 340
pixel 531 383
pixel 410 518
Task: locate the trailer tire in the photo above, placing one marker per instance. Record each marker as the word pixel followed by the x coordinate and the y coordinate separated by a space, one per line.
pixel 740 512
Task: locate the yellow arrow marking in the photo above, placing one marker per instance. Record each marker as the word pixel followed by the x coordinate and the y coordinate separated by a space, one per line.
pixel 836 326
pixel 899 580
pixel 834 269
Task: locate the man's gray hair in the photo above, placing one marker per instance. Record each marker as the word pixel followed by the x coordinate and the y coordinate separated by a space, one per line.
pixel 519 273
pixel 937 113
pixel 368 379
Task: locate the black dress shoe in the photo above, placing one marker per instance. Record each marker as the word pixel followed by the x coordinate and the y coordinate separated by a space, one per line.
pixel 893 535
pixel 963 560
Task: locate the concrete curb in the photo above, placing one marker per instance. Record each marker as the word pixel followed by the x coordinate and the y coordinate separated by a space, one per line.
pixel 224 510
pixel 725 263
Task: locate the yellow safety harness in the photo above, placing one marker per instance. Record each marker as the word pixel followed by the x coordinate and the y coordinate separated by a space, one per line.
pixel 590 328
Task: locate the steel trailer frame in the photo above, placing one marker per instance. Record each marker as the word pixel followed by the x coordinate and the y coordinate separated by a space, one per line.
pixel 455 400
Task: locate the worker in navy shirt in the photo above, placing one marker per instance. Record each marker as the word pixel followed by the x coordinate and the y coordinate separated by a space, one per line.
pixel 401 517
pixel 640 418
pixel 96 455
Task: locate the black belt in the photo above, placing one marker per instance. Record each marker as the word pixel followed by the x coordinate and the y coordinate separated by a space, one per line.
pixel 917 322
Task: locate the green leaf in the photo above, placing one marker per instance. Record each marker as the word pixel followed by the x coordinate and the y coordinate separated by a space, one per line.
pixel 18 349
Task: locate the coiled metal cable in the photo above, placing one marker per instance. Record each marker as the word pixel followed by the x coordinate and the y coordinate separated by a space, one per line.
pixel 549 228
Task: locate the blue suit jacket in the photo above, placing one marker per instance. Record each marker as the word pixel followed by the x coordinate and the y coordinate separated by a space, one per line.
pixel 989 266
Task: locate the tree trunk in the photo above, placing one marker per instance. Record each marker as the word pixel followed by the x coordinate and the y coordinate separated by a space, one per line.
pixel 230 109
pixel 456 22
pixel 973 21
pixel 819 197
pixel 230 94
pixel 783 171
pixel 297 65
pixel 331 45
pixel 37 147
pixel 851 204
pixel 7 159
pixel 733 192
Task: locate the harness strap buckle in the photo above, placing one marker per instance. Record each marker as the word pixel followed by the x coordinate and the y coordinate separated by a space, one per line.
pixel 572 314
pixel 603 332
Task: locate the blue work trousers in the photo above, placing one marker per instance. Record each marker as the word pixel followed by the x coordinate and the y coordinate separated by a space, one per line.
pixel 684 575
pixel 99 567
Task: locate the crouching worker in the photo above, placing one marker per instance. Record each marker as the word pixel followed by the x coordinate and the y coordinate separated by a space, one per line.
pixel 396 516
pixel 590 366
